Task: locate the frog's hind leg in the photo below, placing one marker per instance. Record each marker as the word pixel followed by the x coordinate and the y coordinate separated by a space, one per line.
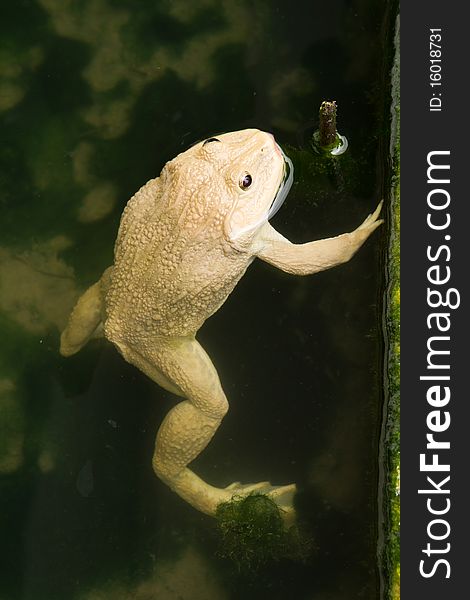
pixel 182 366
pixel 85 321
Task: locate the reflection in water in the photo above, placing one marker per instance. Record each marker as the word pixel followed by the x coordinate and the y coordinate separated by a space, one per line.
pixel 11 428
pixel 85 481
pixel 188 577
pixel 15 74
pixel 37 288
pixel 98 203
pixel 117 61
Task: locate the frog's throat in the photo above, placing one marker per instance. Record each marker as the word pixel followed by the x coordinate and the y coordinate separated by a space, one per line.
pixel 279 198
pixel 284 187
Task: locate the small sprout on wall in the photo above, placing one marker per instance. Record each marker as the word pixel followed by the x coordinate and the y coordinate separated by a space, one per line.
pixel 327 139
pixel 327 127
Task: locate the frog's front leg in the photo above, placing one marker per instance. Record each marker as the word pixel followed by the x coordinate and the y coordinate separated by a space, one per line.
pixel 312 257
pixel 182 366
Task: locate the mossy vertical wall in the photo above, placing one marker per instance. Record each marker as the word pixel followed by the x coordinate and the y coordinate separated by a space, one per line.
pixel 392 439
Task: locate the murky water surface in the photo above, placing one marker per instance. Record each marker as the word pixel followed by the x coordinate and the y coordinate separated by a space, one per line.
pixel 95 96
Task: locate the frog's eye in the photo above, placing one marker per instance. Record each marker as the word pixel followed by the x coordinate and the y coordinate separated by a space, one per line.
pixel 208 141
pixel 245 181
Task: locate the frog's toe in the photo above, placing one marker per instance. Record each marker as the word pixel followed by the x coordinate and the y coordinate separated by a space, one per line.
pixel 372 220
pixel 243 489
pixel 233 486
pixel 281 495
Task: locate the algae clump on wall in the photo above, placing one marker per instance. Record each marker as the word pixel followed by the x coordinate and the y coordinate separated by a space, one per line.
pixel 253 533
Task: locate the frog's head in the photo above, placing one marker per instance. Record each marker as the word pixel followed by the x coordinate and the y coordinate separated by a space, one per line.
pixel 254 176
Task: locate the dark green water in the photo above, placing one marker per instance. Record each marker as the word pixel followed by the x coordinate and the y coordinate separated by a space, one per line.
pixel 95 96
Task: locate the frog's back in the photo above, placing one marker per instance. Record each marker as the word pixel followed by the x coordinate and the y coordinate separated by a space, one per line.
pixel 173 267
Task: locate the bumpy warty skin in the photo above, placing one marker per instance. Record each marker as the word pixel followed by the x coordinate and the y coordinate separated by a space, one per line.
pixel 173 268
pixel 174 265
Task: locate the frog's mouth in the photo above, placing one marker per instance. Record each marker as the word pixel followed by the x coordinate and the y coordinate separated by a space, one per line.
pixel 281 194
pixel 284 186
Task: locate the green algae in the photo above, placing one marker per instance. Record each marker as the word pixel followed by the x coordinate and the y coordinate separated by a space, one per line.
pixel 253 533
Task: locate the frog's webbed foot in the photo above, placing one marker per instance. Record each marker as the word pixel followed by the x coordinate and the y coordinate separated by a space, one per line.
pixel 282 495
pixel 372 221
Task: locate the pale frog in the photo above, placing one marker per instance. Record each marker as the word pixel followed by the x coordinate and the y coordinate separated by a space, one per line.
pixel 185 240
